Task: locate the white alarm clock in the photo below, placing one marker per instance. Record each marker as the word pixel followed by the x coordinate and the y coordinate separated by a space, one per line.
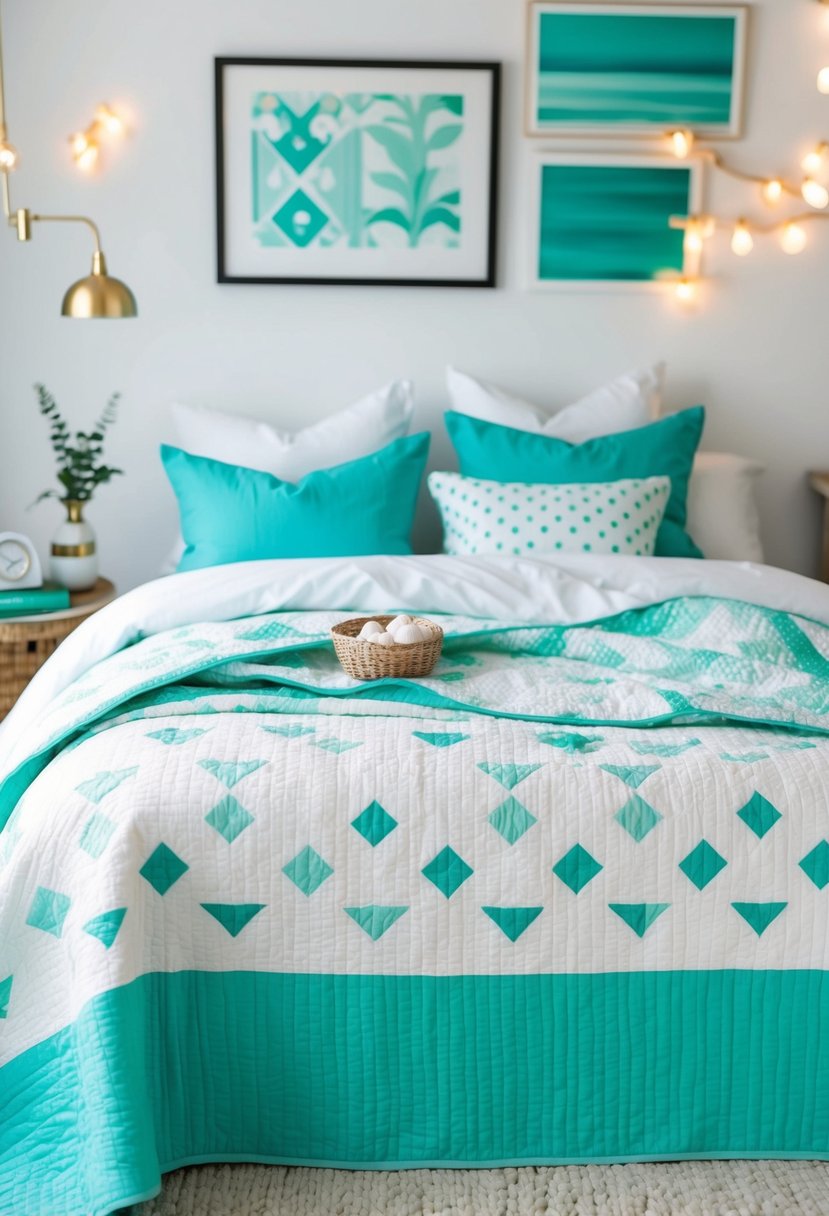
pixel 19 563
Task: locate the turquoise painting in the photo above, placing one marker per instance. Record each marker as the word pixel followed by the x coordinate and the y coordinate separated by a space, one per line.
pixel 636 68
pixel 358 171
pixel 610 222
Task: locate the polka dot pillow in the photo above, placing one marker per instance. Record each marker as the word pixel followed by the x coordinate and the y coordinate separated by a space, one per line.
pixel 519 518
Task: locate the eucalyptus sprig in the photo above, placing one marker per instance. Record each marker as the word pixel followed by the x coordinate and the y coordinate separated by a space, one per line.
pixel 80 465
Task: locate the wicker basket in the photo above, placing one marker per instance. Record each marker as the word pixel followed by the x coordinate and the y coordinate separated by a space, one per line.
pixel 24 649
pixel 367 661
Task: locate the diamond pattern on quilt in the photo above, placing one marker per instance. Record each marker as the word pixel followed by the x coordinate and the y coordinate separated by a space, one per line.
pixel 815 865
pixel 231 772
pixel 639 917
pixel 576 868
pixel 229 818
pixel 335 745
pixel 447 871
pixel 511 820
pixel 702 864
pixel 101 784
pixel 48 911
pixel 293 731
pixel 105 927
pixel 512 921
pixel 375 919
pixel 5 995
pixel 664 750
pixel 233 917
pixel 163 868
pixel 638 818
pixel 632 774
pixel 374 823
pixel 759 815
pixel 508 775
pixel 440 738
pixel 96 833
pixel 174 736
pixel 307 870
pixel 759 916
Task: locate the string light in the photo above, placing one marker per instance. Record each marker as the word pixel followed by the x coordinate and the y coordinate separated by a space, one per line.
pixel 793 239
pixel 682 143
pixel 772 191
pixel 112 123
pixel 86 145
pixel 693 240
pixel 823 80
pixel 8 156
pixel 815 194
pixel 685 290
pixel 813 161
pixel 742 242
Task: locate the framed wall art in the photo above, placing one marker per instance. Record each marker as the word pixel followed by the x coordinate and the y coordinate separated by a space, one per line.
pixel 356 171
pixel 634 69
pixel 604 221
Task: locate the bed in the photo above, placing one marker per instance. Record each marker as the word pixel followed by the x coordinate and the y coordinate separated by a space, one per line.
pixel 565 900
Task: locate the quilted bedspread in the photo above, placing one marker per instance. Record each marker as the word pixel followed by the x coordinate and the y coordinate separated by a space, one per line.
pixel 563 900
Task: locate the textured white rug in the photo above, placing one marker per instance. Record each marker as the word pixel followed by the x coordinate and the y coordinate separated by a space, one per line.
pixel 715 1188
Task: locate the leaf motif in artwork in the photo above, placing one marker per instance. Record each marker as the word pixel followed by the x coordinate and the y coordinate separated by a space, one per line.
pixel 444 136
pixel 400 149
pixel 392 181
pixel 390 215
pixel 440 215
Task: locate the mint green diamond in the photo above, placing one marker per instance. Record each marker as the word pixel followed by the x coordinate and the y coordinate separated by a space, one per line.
pixel 48 911
pixel 447 871
pixel 163 868
pixel 576 868
pixel 307 870
pixel 759 815
pixel 374 823
pixel 105 927
pixel 97 787
pixel 229 818
pixel 95 835
pixel 702 864
pixel 638 818
pixel 816 864
pixel 511 820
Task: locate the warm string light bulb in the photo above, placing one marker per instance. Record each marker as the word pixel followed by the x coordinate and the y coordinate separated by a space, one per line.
pixel 693 240
pixel 772 191
pixel 813 161
pixel 815 194
pixel 112 123
pixel 8 156
pixel 682 143
pixel 685 290
pixel 742 242
pixel 793 239
pixel 86 144
pixel 823 80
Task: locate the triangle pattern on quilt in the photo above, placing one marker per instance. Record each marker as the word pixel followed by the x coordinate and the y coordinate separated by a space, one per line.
pixel 375 919
pixel 759 916
pixel 508 775
pixel 105 927
pixel 233 917
pixel 512 921
pixel 639 917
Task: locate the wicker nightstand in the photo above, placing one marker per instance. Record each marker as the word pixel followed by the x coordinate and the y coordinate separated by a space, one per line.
pixel 27 641
pixel 820 484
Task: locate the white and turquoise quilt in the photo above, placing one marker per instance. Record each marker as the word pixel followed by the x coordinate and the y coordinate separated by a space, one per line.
pixel 565 900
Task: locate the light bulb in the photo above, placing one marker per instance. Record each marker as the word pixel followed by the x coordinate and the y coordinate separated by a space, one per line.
pixel 686 290
pixel 692 241
pixel 86 159
pixel 813 161
pixel 823 80
pixel 742 242
pixel 773 191
pixel 793 239
pixel 708 226
pixel 815 194
pixel 681 143
pixel 78 143
pixel 109 120
pixel 8 156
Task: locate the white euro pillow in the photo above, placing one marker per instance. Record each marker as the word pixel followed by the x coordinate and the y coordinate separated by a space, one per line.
pixel 630 401
pixel 723 518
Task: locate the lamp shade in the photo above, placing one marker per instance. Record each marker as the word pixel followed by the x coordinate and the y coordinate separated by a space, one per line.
pixel 99 296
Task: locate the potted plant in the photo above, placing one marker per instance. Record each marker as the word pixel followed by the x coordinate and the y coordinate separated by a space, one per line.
pixel 81 471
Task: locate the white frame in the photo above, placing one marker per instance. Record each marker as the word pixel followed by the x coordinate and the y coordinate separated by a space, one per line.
pixel 732 130
pixel 629 161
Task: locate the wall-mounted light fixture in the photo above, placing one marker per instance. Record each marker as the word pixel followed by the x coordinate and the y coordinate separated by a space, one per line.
pixel 97 295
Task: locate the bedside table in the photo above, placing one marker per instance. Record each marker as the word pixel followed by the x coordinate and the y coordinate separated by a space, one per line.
pixel 27 641
pixel 820 484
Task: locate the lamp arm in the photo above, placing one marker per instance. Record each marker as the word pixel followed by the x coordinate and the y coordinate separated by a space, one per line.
pixel 71 219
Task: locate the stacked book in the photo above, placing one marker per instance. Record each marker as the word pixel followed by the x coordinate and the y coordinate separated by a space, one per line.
pixel 30 600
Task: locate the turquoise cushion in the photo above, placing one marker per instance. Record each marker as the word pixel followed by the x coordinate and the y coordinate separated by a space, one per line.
pixel 663 449
pixel 234 514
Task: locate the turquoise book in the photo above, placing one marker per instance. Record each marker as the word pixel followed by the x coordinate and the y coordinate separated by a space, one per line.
pixel 48 598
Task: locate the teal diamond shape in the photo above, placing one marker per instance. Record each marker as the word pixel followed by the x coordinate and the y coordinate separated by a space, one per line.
pixel 5 995
pixel 816 864
pixel 511 820
pixel 96 833
pixel 374 823
pixel 759 815
pixel 576 868
pixel 508 775
pixel 229 818
pixel 105 927
pixel 702 864
pixel 447 871
pixel 300 219
pixel 231 772
pixel 48 911
pixel 307 870
pixel 638 818
pixel 97 787
pixel 163 868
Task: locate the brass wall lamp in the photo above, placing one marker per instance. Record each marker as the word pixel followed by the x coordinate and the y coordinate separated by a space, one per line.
pixel 98 295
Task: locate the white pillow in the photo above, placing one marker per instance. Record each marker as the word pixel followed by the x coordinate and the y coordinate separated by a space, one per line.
pixel 630 401
pixel 359 430
pixel 519 518
pixel 722 507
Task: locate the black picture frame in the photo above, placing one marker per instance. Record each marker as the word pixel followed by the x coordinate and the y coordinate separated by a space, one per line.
pixel 486 280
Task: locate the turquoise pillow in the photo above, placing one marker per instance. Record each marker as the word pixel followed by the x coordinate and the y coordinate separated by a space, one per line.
pixel 233 514
pixel 662 449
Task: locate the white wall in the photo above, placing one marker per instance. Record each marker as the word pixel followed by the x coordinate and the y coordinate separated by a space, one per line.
pixel 755 351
